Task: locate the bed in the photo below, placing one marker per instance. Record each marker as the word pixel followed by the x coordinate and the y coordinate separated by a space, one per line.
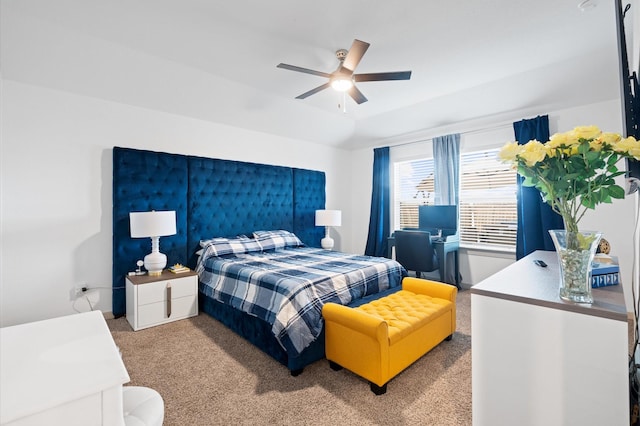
pixel 267 211
pixel 278 281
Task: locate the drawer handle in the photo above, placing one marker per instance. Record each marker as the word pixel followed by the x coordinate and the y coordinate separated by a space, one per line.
pixel 168 300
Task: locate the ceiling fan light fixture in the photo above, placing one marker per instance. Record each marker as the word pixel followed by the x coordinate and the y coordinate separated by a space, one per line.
pixel 344 79
pixel 341 84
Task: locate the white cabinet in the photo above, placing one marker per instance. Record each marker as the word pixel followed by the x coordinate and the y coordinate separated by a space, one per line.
pixel 537 360
pixel 61 371
pixel 155 300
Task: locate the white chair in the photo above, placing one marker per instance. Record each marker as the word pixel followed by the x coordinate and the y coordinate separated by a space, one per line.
pixel 142 406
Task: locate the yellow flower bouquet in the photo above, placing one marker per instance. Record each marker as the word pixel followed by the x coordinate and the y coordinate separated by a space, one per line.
pixel 574 171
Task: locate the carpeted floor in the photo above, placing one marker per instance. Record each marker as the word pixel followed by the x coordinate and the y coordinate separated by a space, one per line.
pixel 208 375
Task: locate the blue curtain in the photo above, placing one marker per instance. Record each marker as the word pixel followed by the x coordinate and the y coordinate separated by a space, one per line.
pixel 380 215
pixel 535 217
pixel 446 161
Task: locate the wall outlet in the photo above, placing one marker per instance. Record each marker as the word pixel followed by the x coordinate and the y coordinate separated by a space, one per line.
pixel 80 290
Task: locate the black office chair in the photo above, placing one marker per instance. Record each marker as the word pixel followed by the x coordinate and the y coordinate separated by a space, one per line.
pixel 415 252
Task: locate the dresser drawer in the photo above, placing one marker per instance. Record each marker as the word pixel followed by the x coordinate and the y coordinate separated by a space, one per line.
pixel 156 313
pixel 157 292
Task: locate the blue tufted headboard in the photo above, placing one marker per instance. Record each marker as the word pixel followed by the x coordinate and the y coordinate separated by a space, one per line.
pixel 212 198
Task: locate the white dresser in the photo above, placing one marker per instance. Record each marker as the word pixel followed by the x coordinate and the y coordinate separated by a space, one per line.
pixel 62 371
pixel 537 360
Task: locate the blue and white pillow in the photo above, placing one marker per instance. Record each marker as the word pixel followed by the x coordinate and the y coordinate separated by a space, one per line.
pixel 277 239
pixel 222 246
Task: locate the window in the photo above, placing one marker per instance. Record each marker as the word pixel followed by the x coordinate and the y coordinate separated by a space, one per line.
pixel 414 186
pixel 487 207
pixel 488 212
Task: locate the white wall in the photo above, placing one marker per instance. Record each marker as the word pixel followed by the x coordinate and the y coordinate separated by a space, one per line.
pixel 56 188
pixel 67 99
pixel 615 220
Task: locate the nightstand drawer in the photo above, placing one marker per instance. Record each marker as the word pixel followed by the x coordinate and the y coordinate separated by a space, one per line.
pixel 157 292
pixel 156 313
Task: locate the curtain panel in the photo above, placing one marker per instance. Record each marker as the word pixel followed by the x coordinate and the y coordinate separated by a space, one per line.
pixel 380 215
pixel 535 217
pixel 446 162
pixel 446 165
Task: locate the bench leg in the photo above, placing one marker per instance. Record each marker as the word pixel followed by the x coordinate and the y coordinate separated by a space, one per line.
pixel 378 390
pixel 296 372
pixel 449 337
pixel 334 366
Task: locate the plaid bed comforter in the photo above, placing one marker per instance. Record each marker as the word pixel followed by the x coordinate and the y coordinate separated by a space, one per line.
pixel 287 288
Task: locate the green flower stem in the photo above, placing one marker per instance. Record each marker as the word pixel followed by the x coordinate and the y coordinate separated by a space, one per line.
pixel 567 209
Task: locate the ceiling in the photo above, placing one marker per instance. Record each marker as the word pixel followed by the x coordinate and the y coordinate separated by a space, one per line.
pixel 470 59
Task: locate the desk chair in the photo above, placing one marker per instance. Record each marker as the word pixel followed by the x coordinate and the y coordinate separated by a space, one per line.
pixel 415 252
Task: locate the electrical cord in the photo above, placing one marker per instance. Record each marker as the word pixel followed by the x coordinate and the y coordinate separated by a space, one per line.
pixel 73 305
pixel 108 288
pixel 634 382
pixel 634 284
pixel 89 302
pixel 85 289
pixel 636 299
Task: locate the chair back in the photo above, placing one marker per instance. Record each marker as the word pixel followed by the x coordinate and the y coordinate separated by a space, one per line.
pixel 415 252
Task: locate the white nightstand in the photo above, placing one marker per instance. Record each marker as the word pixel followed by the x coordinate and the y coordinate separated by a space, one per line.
pixel 161 299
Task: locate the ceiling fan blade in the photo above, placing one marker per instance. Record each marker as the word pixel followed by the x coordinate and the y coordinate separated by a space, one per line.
pixel 383 76
pixel 313 91
pixel 355 54
pixel 304 70
pixel 357 95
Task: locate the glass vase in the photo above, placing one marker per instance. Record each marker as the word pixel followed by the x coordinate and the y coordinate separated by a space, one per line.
pixel 575 252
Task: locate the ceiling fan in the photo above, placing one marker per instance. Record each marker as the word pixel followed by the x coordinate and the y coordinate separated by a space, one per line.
pixel 343 78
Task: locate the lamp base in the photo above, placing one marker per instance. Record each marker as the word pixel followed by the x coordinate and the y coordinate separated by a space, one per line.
pixel 154 263
pixel 326 243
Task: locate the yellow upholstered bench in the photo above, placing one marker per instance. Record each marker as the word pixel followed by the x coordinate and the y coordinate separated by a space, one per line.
pixel 381 338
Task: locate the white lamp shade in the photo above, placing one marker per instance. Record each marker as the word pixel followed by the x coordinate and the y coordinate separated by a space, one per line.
pixel 328 217
pixel 152 224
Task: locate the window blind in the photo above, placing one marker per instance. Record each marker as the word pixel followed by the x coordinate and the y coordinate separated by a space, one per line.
pixel 487 201
pixel 488 212
pixel 414 186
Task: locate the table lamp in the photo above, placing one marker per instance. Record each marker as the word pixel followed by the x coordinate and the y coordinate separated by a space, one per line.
pixel 328 218
pixel 153 224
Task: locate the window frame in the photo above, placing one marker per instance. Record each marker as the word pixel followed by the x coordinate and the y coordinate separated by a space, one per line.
pixel 419 156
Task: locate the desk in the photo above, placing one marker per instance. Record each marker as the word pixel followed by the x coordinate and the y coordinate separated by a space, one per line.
pixel 538 360
pixel 62 371
pixel 451 244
